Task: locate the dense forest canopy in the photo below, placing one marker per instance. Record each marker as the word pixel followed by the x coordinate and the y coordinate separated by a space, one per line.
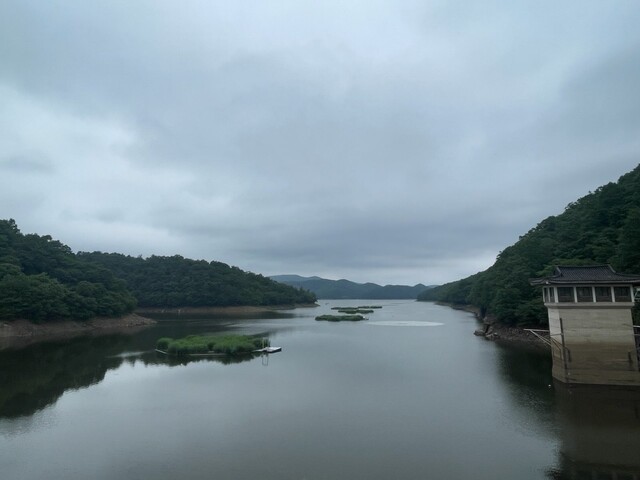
pixel 177 282
pixel 41 279
pixel 602 227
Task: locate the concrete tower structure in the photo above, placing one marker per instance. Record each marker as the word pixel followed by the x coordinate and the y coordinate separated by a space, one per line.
pixel 593 340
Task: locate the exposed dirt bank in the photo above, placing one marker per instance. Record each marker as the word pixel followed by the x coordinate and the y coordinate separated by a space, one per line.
pixel 23 332
pixel 221 311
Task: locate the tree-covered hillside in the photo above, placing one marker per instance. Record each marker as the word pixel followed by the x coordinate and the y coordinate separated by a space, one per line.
pixel 602 227
pixel 41 279
pixel 180 282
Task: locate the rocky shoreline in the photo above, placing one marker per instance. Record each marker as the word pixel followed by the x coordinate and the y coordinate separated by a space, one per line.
pixel 510 335
pixel 491 330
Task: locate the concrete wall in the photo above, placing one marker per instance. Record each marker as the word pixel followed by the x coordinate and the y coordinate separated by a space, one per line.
pixel 599 346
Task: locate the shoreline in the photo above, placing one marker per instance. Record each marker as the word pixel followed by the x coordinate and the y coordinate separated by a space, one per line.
pixel 492 331
pixel 231 311
pixel 512 336
pixel 22 332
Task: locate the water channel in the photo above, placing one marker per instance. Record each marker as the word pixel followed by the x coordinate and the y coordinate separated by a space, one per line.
pixel 409 393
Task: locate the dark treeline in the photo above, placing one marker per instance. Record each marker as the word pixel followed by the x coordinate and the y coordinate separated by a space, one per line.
pixel 602 227
pixel 41 279
pixel 178 282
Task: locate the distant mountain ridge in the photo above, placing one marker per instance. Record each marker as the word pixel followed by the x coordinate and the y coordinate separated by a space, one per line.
pixel 346 289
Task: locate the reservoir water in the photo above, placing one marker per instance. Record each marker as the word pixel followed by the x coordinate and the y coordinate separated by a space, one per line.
pixel 409 393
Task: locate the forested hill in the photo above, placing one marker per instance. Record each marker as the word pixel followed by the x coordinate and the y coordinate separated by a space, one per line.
pixel 602 227
pixel 345 289
pixel 41 279
pixel 178 282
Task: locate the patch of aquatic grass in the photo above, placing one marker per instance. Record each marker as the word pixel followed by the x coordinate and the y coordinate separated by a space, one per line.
pixel 370 306
pixel 340 318
pixel 163 343
pixel 353 311
pixel 209 344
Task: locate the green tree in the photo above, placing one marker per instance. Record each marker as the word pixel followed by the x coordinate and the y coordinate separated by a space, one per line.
pixel 601 227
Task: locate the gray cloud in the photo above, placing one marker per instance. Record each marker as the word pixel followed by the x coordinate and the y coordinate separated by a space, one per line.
pixel 27 164
pixel 395 142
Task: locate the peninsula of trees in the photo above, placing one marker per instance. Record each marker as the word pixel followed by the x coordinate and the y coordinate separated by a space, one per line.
pixel 173 282
pixel 41 279
pixel 602 227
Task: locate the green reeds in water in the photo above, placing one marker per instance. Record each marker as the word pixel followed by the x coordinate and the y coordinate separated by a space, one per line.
pixel 355 310
pixel 210 344
pixel 340 318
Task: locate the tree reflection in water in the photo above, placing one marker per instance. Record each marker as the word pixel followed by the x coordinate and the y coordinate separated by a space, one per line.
pixel 599 430
pixel 597 427
pixel 36 376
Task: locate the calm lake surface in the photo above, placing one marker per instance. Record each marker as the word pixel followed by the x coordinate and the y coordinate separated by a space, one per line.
pixel 408 394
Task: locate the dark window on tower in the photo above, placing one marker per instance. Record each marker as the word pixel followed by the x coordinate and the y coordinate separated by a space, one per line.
pixel 565 294
pixel 623 294
pixel 603 294
pixel 585 294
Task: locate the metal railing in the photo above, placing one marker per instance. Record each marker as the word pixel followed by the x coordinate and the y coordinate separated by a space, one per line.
pixel 636 335
pixel 558 349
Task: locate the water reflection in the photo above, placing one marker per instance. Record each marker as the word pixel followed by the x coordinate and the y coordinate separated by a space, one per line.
pixel 341 401
pixel 599 429
pixel 528 381
pixel 157 358
pixel 36 376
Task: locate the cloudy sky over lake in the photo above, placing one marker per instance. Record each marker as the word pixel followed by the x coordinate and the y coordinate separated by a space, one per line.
pixel 384 141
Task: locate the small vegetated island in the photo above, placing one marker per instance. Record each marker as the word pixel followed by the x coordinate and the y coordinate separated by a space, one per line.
pixel 212 345
pixel 349 314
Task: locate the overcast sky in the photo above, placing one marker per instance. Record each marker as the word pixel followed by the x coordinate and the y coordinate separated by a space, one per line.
pixel 385 141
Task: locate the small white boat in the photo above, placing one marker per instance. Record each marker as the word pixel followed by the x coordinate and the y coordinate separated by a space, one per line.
pixel 268 350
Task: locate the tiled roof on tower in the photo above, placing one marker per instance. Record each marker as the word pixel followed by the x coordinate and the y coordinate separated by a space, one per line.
pixel 587 274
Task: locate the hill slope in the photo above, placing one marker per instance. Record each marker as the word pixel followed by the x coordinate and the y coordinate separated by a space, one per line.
pixel 345 289
pixel 41 279
pixel 181 282
pixel 601 227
